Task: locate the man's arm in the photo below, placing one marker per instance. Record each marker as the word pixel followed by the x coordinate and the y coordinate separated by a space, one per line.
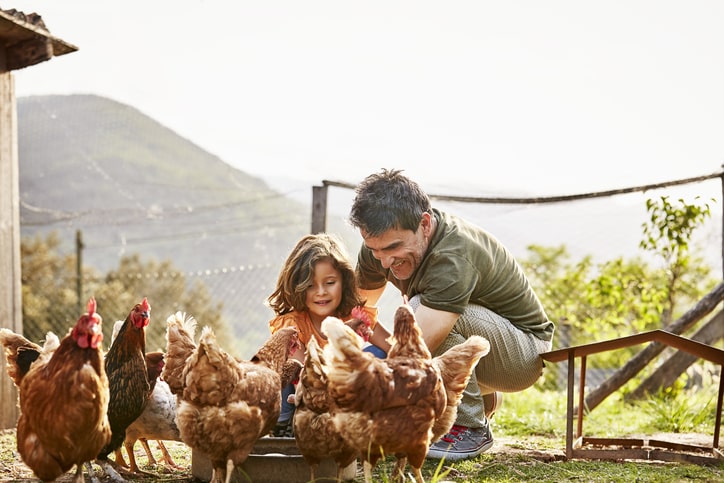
pixel 379 337
pixel 435 325
pixel 380 334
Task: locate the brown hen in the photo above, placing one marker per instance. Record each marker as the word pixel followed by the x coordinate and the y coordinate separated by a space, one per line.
pixel 315 431
pixel 456 366
pixel 63 397
pixel 390 406
pixel 156 422
pixel 224 404
pixel 129 386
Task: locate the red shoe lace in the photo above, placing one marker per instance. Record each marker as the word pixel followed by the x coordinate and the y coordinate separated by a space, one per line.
pixel 454 432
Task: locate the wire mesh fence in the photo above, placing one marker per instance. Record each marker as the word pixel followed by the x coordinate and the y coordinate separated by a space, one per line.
pixel 232 298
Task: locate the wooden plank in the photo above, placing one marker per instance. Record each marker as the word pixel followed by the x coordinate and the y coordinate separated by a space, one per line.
pixel 24 41
pixel 10 288
pixel 698 349
pixel 27 37
pixel 668 372
pixel 625 442
pixel 660 443
pixel 319 209
pixel 701 309
pixel 617 454
pixel 29 52
pixel 578 450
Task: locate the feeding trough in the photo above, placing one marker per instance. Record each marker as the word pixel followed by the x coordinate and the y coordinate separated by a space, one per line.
pixel 273 460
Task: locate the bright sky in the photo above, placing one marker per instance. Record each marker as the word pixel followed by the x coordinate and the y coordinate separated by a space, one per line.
pixel 516 97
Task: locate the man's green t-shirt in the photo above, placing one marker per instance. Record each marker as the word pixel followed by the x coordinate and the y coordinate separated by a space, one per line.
pixel 465 264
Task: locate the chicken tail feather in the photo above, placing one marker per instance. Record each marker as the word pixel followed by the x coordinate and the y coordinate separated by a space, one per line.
pixel 180 345
pixel 19 354
pixel 457 364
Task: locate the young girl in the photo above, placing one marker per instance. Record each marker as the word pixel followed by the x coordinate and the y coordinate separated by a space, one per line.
pixel 317 281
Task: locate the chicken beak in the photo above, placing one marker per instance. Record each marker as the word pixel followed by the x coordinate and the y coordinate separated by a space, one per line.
pixel 96 335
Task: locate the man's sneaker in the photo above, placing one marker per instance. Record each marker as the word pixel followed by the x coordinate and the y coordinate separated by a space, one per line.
pixel 492 402
pixel 462 443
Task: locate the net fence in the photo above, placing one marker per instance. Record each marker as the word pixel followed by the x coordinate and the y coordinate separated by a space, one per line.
pixel 603 228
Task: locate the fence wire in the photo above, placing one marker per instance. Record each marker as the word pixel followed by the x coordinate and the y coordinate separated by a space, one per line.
pixel 603 228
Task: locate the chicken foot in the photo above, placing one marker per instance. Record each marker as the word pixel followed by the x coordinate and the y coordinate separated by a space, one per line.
pixel 367 468
pixel 167 459
pixel 132 467
pixel 398 472
pixel 118 455
pixel 78 476
pixel 221 474
pixel 149 454
pixel 113 470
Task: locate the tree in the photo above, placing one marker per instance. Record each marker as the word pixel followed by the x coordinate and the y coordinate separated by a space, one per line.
pixel 48 288
pixel 668 234
pixel 50 301
pixel 167 291
pixel 620 297
pixel 595 301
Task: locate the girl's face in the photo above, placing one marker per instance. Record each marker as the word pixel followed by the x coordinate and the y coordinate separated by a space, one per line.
pixel 325 293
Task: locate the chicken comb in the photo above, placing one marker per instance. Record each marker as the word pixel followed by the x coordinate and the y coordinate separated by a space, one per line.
pixel 91 306
pixel 144 305
pixel 360 313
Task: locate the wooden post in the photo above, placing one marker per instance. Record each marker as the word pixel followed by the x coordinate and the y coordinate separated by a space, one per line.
pixel 10 286
pixel 721 178
pixel 79 269
pixel 24 41
pixel 319 209
pixel 564 340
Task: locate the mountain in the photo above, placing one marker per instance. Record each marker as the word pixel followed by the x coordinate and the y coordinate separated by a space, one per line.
pixel 132 185
pixel 129 185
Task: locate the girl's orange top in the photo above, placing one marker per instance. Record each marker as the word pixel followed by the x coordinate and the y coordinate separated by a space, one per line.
pixel 303 323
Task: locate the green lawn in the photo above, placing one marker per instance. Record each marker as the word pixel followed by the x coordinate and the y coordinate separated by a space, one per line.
pixel 530 444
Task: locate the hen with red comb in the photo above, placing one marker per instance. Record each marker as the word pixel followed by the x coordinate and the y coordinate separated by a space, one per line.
pixel 63 397
pixel 128 381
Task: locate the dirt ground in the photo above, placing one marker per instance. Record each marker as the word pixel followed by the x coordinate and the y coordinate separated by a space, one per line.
pixel 12 469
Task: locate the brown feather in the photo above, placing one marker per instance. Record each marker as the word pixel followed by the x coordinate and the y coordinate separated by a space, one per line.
pixel 129 386
pixel 315 431
pixel 388 406
pixel 225 404
pixel 456 366
pixel 63 400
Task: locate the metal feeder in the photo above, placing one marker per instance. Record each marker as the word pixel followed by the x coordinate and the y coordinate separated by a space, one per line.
pixel 273 460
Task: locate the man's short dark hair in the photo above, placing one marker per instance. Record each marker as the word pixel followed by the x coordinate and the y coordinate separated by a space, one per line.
pixel 388 200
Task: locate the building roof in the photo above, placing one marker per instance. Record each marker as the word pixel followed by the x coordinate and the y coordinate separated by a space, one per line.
pixel 27 41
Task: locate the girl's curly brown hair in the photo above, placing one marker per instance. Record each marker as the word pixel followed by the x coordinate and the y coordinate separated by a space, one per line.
pixel 298 271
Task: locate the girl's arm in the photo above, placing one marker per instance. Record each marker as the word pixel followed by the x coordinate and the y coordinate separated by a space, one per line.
pixel 379 337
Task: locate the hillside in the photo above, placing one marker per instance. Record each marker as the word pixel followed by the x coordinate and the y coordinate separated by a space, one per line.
pixel 132 185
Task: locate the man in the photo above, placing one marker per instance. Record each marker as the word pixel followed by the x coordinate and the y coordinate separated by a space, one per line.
pixel 461 281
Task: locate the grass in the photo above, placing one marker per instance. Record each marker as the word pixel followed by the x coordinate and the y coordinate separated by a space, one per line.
pixel 530 442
